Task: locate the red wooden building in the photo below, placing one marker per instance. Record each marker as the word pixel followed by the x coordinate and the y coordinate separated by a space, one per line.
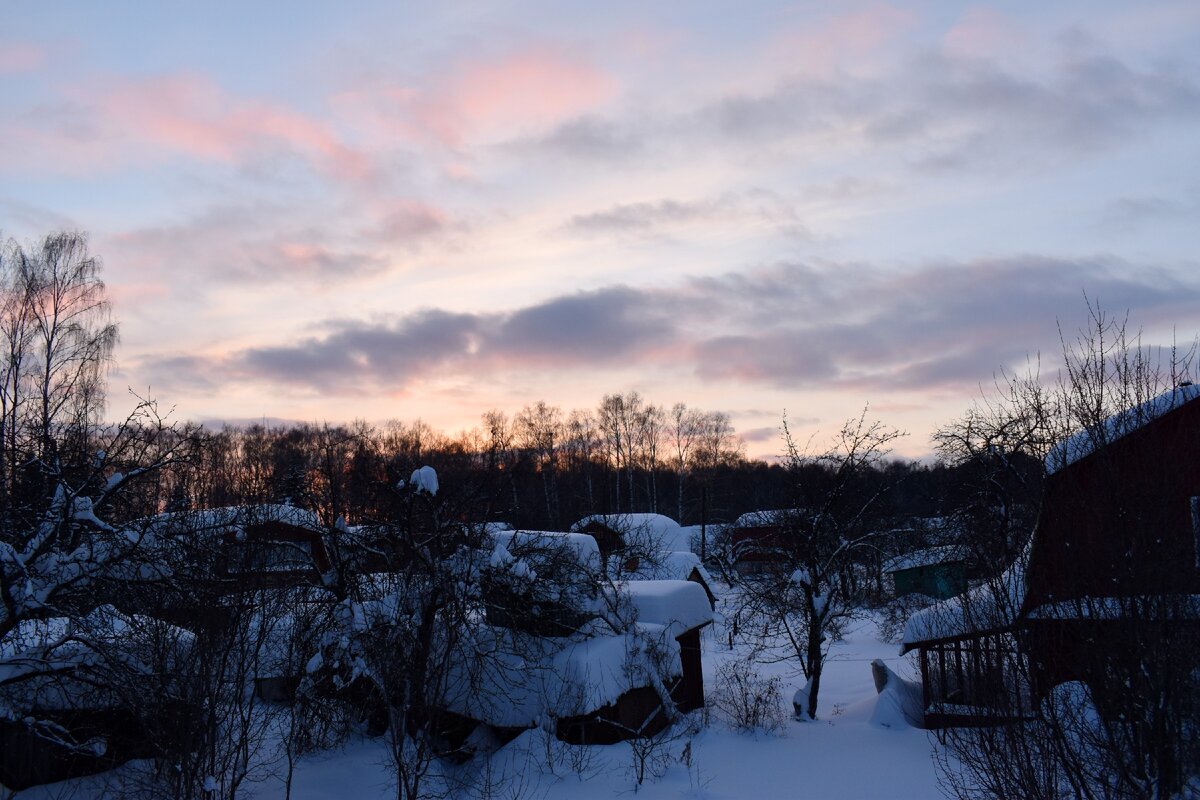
pixel 1113 566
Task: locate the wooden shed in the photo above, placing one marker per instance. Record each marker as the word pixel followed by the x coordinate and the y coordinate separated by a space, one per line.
pixel 937 572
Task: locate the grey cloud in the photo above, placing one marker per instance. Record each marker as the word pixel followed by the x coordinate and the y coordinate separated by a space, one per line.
pixel 950 324
pixel 941 326
pixel 243 243
pixel 641 216
pixel 262 244
pixel 590 137
pixel 754 206
pixel 1126 214
pixel 376 354
pixel 591 326
pixel 940 111
pixel 763 434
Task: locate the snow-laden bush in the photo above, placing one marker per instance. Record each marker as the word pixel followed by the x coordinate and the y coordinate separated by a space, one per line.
pixel 746 699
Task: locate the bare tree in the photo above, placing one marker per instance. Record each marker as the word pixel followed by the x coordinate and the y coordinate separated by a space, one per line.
pixel 540 431
pixel 685 430
pixel 798 606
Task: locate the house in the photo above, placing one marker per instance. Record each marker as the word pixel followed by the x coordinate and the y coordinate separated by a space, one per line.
pixel 239 548
pixel 84 719
pixel 638 532
pixel 937 572
pixel 1116 547
pixel 654 546
pixel 759 538
pixel 541 582
pixel 593 658
pixel 74 716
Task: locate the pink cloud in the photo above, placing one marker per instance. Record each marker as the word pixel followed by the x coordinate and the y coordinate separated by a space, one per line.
pixel 116 122
pixel 20 57
pixel 191 114
pixel 982 32
pixel 481 98
pixel 533 88
pixel 843 38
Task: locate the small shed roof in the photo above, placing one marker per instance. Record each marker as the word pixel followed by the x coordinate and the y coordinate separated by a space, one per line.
pixel 946 554
pixel 581 545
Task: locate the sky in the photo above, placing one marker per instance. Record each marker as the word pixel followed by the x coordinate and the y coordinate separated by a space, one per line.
pixel 374 210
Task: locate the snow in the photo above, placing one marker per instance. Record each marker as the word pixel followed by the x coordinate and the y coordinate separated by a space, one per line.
pixel 232 518
pixel 900 704
pixel 1113 608
pixel 847 754
pixel 925 558
pixel 664 533
pixel 765 519
pixel 531 679
pixel 425 479
pixel 581 545
pixel 679 566
pixel 681 605
pixel 989 606
pixel 1089 440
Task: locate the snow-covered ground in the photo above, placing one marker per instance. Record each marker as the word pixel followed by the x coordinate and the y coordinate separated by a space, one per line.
pixel 842 755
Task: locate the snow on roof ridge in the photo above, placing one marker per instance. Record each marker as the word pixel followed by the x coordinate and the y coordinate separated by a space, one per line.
pixel 1087 441
pixel 925 557
pixel 628 518
pixel 586 551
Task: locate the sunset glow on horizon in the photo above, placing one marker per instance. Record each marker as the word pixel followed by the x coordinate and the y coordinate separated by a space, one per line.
pixel 327 212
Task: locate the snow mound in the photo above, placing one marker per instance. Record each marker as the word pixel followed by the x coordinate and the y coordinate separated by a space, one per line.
pixel 900 702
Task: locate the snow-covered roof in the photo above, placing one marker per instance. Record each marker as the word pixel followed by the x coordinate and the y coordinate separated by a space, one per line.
pixel 678 605
pixel 233 517
pixel 526 680
pixel 765 519
pixel 679 566
pixel 60 663
pixel 665 533
pixel 925 558
pixel 1091 439
pixel 582 545
pixel 989 606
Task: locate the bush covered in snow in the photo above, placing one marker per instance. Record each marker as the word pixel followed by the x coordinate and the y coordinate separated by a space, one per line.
pixel 746 700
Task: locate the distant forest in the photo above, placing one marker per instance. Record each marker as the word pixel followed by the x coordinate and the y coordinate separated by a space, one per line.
pixel 543 469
